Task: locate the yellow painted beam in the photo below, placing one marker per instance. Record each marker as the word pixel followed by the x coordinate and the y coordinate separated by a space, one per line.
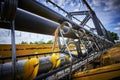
pixel 103 73
pixel 22 49
pixel 25 49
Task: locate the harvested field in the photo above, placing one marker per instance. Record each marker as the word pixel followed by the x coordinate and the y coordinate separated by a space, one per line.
pixel 112 56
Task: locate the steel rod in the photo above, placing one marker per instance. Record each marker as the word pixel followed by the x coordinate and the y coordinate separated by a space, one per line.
pixel 26 21
pixel 44 64
pixel 13 50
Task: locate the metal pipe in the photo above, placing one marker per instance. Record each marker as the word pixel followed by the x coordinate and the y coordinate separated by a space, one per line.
pixel 65 69
pixel 40 9
pixel 87 5
pixel 33 67
pixel 26 21
pixel 13 50
pixel 30 19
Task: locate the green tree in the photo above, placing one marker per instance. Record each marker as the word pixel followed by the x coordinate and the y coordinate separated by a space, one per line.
pixel 50 42
pixel 31 43
pixel 39 42
pixel 35 42
pixel 113 35
pixel 23 42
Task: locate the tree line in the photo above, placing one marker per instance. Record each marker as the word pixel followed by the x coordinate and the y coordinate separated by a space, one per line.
pixel 112 34
pixel 37 42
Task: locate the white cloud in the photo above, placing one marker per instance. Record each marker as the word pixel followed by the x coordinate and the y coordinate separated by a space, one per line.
pixel 118 23
pixel 105 18
pixel 107 5
pixel 71 4
pixel 61 2
pixel 96 2
pixel 111 5
pixel 76 9
pixel 5 37
pixel 117 28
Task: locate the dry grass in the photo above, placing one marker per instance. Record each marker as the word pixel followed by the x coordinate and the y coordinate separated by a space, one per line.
pixel 112 56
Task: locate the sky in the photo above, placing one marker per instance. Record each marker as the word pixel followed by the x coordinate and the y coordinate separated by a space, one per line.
pixel 108 11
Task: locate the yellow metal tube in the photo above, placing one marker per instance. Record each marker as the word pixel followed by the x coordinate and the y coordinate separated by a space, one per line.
pixel 29 68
